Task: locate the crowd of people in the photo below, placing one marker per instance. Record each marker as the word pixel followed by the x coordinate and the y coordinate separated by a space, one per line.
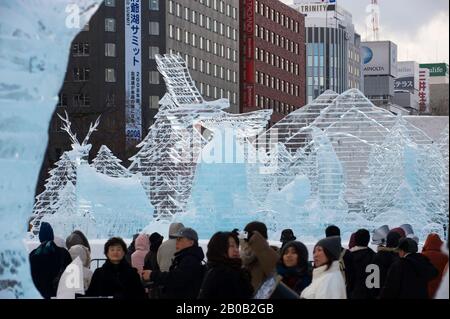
pixel 242 264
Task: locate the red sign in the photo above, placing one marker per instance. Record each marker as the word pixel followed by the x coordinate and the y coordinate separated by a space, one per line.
pixel 250 17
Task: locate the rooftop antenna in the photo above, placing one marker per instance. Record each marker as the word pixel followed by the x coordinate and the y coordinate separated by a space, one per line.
pixel 375 17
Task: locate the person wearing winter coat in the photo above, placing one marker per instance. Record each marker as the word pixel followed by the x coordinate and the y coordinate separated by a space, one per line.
pixel 443 291
pixel 151 260
pixel 287 235
pixel 142 246
pixel 225 277
pixel 294 266
pixel 432 250
pixel 185 276
pixel 257 256
pixel 167 249
pixel 327 280
pixel 345 258
pixel 409 276
pixel 77 238
pixel 384 258
pixel 131 249
pixel 48 262
pixel 362 257
pixel 85 256
pixel 116 278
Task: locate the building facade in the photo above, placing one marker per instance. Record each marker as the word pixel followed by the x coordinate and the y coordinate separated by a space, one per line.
pixel 438 87
pixel 272 57
pixel 406 86
pixel 379 70
pixel 333 48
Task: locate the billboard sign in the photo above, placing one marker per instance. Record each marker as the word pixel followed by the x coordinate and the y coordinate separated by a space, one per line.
pixel 424 90
pixel 405 83
pixel 133 72
pixel 408 76
pixel 379 58
pixel 436 69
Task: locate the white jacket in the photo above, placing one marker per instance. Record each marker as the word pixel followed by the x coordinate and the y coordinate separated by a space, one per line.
pixel 326 284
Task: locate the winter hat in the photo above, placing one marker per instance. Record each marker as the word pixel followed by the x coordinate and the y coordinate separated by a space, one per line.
pixel 77 238
pixel 46 232
pixel 433 242
pixel 332 244
pixel 392 239
pixel 332 230
pixel 174 228
pixel 188 233
pixel 400 231
pixel 301 250
pixel 287 235
pixel 408 245
pixel 379 235
pixel 362 238
pixel 258 226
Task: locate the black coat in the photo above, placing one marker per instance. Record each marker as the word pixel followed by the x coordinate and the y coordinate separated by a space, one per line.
pixel 120 281
pixel 408 278
pixel 47 263
pixel 348 268
pixel 151 261
pixel 358 288
pixel 295 278
pixel 185 276
pixel 225 281
pixel 384 259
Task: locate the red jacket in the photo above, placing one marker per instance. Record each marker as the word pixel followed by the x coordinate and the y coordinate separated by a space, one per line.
pixel 432 250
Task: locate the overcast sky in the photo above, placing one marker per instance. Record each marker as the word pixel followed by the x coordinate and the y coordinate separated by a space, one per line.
pixel 420 28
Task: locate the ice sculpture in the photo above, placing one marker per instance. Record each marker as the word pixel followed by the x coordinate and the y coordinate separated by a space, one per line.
pixel 106 163
pixel 168 155
pixel 33 58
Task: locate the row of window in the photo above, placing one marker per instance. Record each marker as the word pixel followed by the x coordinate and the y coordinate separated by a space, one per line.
pixel 83 74
pixel 153 26
pixel 82 49
pixel 276 39
pixel 267 103
pixel 214 92
pixel 276 16
pixel 277 84
pixel 276 61
pixel 218 5
pixel 84 100
pixel 152 4
pixel 203 43
pixel 203 21
pixel 208 68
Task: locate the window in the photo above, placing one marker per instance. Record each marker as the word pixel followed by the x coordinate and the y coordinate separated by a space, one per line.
pixel 208 45
pixel 110 49
pixel 110 100
pixel 201 21
pixel 171 6
pixel 228 32
pixel 152 51
pixel 81 100
pixel 178 10
pixel 110 75
pixel 228 10
pixel 234 13
pixel 178 34
pixel 194 17
pixel 81 74
pixel 110 25
pixel 170 31
pixel 62 101
pixel 154 28
pixel 186 14
pixel 154 5
pixel 80 49
pixel 153 102
pixel 201 43
pixel 234 34
pixel 110 3
pixel 154 77
pixel 186 37
pixel 208 23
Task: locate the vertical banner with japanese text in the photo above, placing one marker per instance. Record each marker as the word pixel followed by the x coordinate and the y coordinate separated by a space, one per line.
pixel 133 72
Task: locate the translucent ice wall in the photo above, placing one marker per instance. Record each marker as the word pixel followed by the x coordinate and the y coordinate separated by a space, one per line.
pixel 35 38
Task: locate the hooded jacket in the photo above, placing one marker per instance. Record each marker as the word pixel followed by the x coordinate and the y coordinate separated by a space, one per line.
pixel 185 276
pixel 167 249
pixel 326 284
pixel 408 278
pixel 432 250
pixel 362 257
pixel 85 256
pixel 264 261
pixel 142 246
